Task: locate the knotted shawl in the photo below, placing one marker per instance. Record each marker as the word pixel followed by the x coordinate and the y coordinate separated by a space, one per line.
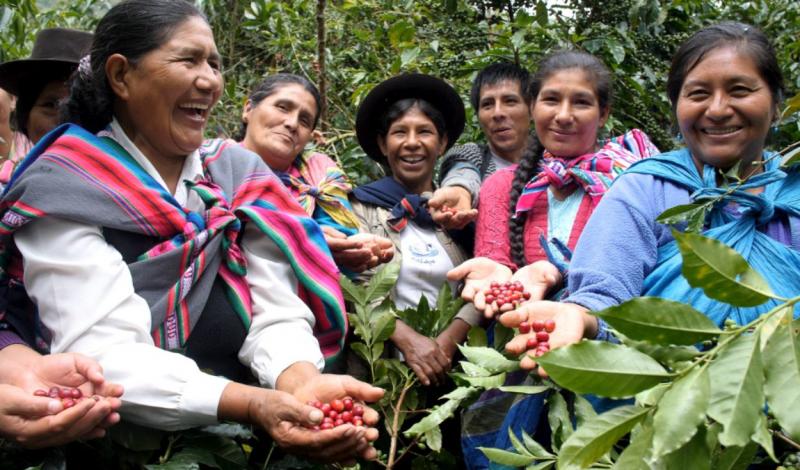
pixel 776 262
pixel 90 179
pixel 593 172
pixel 404 206
pixel 316 180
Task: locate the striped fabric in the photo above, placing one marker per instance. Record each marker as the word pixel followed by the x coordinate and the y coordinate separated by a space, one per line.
pixel 594 172
pixel 126 198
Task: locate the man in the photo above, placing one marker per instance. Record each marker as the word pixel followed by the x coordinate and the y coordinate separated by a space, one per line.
pixel 501 98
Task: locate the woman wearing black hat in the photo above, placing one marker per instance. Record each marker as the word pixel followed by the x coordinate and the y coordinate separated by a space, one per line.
pixel 40 84
pixel 407 122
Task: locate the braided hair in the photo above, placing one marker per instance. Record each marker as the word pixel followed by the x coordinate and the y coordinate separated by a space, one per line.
pixel 600 77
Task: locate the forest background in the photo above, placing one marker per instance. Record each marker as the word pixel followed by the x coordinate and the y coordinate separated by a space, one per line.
pixel 348 46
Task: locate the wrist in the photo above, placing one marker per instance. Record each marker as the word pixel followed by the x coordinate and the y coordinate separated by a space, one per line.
pixel 15 361
pixel 590 326
pixel 295 376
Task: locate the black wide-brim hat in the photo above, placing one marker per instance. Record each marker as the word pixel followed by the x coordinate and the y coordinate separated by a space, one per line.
pixel 55 52
pixel 410 85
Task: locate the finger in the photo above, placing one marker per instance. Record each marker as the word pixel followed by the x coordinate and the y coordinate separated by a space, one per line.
pixel 331 232
pixel 518 344
pixel 27 406
pixel 361 390
pixel 89 368
pixel 343 244
pixel 292 410
pixel 459 272
pixel 527 363
pixel 66 426
pixel 513 318
pixel 420 373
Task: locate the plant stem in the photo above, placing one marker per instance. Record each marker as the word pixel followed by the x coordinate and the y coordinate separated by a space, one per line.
pixel 269 456
pixel 167 454
pixel 396 423
pixel 785 439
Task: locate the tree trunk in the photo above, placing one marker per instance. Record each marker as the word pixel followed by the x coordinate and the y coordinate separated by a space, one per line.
pixel 323 112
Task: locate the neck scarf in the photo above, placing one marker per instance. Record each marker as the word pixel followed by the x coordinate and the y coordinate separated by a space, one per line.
pixel 314 180
pixel 776 262
pixel 593 172
pixel 122 196
pixel 390 194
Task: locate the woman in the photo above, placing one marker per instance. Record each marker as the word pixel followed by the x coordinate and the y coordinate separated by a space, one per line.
pixel 406 123
pixel 278 121
pixel 39 84
pixel 559 181
pixel 725 86
pixel 549 195
pixel 160 259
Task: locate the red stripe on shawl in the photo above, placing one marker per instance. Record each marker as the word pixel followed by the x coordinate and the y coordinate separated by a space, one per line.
pixel 164 217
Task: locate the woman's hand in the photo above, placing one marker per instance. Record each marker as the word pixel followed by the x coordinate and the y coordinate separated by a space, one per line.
pixel 451 207
pixel 478 274
pixel 538 278
pixel 381 247
pixel 422 354
pixel 41 421
pixel 573 323
pixel 347 253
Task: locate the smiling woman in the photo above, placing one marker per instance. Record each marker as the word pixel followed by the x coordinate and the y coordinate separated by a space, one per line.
pixel 164 258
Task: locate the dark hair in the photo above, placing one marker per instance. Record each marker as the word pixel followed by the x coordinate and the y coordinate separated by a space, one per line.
pixel 496 73
pixel 397 109
pixel 745 37
pixel 272 84
pixel 599 75
pixel 30 90
pixel 131 28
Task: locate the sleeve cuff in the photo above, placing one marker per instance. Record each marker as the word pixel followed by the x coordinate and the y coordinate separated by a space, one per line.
pixel 287 347
pixel 200 400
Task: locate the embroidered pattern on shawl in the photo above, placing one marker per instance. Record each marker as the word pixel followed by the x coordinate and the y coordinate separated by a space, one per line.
pixel 594 172
pixel 776 262
pixel 314 180
pixel 99 169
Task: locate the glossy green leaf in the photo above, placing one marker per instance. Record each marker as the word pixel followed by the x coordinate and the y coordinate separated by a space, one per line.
pixel 737 395
pixel 660 321
pixel 525 389
pixel 383 281
pixel 595 438
pixel 680 411
pixel 682 213
pixel 436 417
pixel 477 337
pixel 504 457
pixel 792 157
pixel 559 420
pixel 637 453
pixel 493 381
pixel 735 458
pixel 602 368
pixel 502 335
pixel 720 271
pixel 584 410
pixel 460 393
pixel 541 465
pixel 694 455
pixel 473 370
pixel 351 291
pixel 489 359
pixel 517 444
pixel 534 448
pixel 433 438
pixel 762 437
pixel 782 371
pixel 382 325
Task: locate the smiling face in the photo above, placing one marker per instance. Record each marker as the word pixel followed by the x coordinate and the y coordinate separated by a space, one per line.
pixel 412 146
pixel 164 99
pixel 505 119
pixel 280 125
pixel 567 114
pixel 724 109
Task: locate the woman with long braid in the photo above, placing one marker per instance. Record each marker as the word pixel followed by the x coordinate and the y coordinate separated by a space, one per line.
pixel 543 203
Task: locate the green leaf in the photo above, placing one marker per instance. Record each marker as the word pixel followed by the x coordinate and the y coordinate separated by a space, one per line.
pixel 502 335
pixel 660 321
pixel 592 440
pixel 534 448
pixel 505 457
pixel 493 381
pixel 525 389
pixel 489 359
pixel 362 350
pixel 694 455
pixel 433 438
pixel 541 465
pixel 651 396
pixel 473 370
pixel 518 446
pixel 636 454
pixel 602 368
pixel 229 430
pixel 682 213
pixel 437 416
pixel 791 157
pixel 616 49
pixel 782 371
pixel 408 56
pixel 584 410
pixel 559 419
pixel 763 437
pixel 680 412
pixel 477 337
pixel 382 326
pixel 735 458
pixel 383 281
pixel 460 393
pixel 737 395
pixel 720 271
pixel 351 291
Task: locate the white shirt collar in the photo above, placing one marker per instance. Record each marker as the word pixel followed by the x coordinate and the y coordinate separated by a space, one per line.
pixel 192 166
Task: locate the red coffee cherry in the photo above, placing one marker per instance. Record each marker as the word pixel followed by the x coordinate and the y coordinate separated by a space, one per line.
pixel 337 405
pixel 524 327
pixel 338 413
pixel 500 294
pixel 40 393
pixel 549 326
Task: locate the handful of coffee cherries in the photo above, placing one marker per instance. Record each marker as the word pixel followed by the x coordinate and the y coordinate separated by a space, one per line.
pixel 338 413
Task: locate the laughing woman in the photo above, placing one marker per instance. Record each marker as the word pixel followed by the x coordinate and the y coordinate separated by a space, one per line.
pixel 407 122
pixel 725 86
pixel 163 260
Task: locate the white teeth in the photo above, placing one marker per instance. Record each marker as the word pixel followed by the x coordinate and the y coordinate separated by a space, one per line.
pixel 412 159
pixel 720 131
pixel 201 107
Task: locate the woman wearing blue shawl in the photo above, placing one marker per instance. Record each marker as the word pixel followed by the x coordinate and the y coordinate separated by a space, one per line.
pixel 725 88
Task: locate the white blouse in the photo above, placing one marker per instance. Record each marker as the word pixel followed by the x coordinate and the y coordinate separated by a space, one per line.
pixel 85 296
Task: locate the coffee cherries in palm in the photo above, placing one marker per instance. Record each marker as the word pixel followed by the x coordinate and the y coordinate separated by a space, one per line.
pixel 506 293
pixel 339 412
